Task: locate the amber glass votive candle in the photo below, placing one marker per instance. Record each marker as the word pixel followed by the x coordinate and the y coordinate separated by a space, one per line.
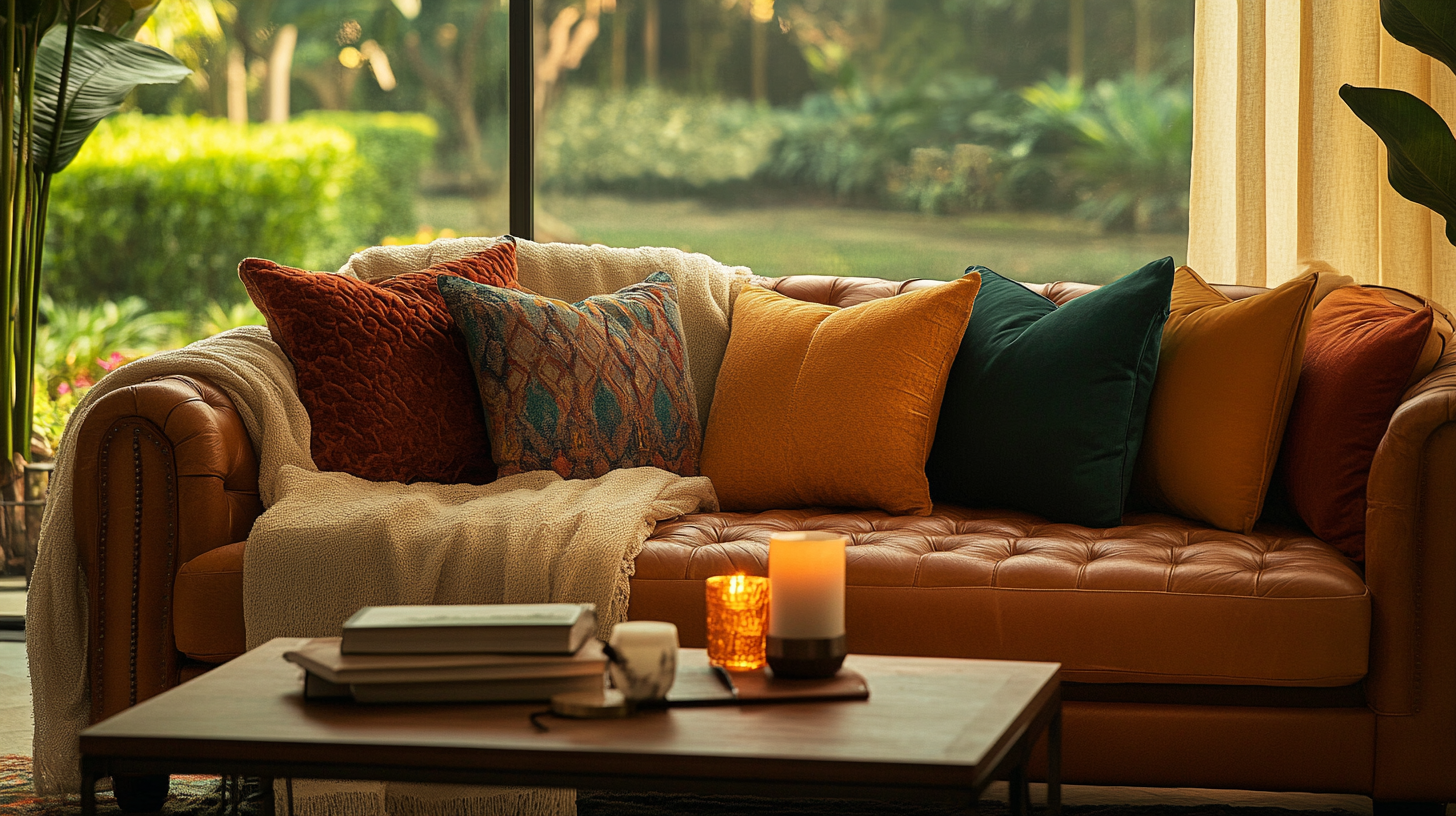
pixel 737 621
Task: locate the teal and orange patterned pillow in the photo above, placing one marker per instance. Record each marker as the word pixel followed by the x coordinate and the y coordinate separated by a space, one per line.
pixel 581 388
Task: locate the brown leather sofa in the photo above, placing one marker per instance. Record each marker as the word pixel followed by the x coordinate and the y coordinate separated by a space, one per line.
pixel 1192 656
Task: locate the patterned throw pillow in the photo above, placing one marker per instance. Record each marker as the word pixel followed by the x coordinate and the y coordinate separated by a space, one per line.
pixel 381 369
pixel 581 388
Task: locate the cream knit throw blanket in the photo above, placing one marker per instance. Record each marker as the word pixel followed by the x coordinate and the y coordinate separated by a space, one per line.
pixel 412 524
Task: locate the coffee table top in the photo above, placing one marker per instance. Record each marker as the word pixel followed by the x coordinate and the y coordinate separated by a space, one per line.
pixel 936 722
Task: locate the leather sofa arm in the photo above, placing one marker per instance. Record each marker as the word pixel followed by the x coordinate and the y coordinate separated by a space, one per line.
pixel 1410 567
pixel 165 471
pixel 1410 526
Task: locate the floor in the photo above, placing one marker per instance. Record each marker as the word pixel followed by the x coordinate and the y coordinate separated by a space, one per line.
pixel 16 728
pixel 12 595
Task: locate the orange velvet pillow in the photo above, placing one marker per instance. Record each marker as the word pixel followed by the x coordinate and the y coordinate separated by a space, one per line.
pixel 816 405
pixel 1362 351
pixel 1227 373
pixel 381 367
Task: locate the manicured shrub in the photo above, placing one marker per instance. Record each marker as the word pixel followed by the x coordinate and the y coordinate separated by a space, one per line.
pixel 164 208
pixel 394 148
pixel 653 140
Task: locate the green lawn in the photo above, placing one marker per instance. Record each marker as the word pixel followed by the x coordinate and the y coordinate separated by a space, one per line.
pixel 810 240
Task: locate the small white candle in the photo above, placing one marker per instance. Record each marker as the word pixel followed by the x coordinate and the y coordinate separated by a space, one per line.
pixel 647 655
pixel 805 585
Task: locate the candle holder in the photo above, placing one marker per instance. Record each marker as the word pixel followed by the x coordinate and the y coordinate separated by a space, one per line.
pixel 806 637
pixel 737 621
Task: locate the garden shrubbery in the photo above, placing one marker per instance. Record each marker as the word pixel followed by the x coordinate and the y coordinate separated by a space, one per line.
pixel 1116 153
pixel 650 140
pixel 164 208
pixel 394 149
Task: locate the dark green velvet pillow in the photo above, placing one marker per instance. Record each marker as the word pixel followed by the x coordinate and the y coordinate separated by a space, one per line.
pixel 1044 408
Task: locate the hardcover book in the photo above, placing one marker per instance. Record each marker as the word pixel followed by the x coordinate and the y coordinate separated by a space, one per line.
pixel 323 658
pixel 558 629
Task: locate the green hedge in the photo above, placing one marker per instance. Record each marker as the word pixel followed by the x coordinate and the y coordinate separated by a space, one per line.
pixel 650 139
pixel 395 148
pixel 164 208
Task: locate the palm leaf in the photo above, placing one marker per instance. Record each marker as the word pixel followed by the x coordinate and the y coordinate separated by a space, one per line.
pixel 1428 26
pixel 104 69
pixel 1421 149
pixel 39 13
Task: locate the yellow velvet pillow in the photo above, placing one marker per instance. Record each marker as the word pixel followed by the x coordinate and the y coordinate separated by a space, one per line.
pixel 823 406
pixel 1226 378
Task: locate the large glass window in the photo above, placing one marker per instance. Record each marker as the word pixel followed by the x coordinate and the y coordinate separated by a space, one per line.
pixel 1046 139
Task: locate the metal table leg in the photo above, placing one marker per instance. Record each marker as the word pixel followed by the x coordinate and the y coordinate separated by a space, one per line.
pixel 90 773
pixel 1020 791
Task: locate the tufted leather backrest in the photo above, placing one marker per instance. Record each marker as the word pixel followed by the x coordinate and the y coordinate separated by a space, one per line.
pixel 845 292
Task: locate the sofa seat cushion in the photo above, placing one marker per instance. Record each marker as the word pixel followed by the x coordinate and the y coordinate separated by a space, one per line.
pixel 207 605
pixel 1157 600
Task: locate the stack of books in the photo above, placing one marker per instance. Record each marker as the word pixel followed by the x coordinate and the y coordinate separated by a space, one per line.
pixel 457 653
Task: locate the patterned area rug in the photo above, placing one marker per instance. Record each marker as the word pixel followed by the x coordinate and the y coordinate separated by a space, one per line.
pixel 598 803
pixel 201 795
pixel 190 794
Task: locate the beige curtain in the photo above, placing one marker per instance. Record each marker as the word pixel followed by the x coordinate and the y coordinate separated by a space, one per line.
pixel 1283 172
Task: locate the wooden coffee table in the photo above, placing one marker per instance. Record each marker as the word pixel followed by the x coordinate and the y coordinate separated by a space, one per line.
pixel 934 729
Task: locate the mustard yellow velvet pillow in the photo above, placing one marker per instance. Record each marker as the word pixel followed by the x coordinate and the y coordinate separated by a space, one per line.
pixel 823 406
pixel 1226 379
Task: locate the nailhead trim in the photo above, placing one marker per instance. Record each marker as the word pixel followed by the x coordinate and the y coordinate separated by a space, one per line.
pixel 164 450
pixel 99 653
pixel 136 554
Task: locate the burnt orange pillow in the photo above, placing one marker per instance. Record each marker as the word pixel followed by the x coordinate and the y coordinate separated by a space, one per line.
pixel 1227 373
pixel 1442 328
pixel 381 368
pixel 1363 349
pixel 817 405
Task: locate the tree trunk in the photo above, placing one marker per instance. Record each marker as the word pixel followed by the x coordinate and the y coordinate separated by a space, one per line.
pixel 1077 40
pixel 454 86
pixel 650 42
pixel 1142 12
pixel 760 59
pixel 237 86
pixel 280 72
pixel 619 47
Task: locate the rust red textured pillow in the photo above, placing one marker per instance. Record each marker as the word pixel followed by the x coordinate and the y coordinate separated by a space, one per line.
pixel 382 369
pixel 1358 359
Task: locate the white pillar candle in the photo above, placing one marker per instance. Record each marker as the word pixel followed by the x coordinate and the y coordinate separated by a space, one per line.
pixel 805 585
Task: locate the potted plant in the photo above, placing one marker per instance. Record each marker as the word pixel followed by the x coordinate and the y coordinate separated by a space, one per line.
pixel 68 64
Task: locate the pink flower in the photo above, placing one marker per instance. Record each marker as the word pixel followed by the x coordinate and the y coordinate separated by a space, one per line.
pixel 83 381
pixel 63 388
pixel 111 363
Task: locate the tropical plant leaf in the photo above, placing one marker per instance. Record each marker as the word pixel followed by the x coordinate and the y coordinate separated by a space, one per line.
pixel 1421 149
pixel 122 17
pixel 1428 26
pixel 42 13
pixel 104 69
